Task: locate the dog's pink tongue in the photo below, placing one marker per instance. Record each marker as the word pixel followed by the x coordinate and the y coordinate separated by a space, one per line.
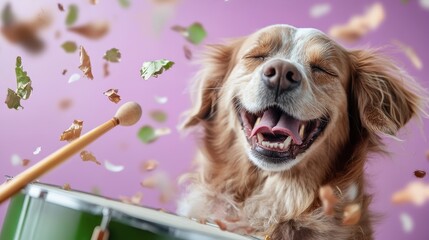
pixel 275 122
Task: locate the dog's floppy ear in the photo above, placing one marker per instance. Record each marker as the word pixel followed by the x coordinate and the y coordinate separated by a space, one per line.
pixel 385 97
pixel 217 62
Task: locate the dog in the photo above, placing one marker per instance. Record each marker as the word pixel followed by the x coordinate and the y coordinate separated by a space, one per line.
pixel 287 119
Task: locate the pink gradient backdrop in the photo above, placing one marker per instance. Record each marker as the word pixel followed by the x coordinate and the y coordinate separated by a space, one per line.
pixel 42 122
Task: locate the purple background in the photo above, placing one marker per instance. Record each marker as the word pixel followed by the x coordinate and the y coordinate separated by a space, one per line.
pixel 133 32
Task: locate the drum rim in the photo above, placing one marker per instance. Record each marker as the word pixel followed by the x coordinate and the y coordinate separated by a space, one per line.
pixel 53 195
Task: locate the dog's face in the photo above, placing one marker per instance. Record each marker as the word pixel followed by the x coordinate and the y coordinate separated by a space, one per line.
pixel 295 93
pixel 289 86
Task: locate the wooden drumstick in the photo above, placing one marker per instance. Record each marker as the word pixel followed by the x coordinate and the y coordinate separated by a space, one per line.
pixel 127 115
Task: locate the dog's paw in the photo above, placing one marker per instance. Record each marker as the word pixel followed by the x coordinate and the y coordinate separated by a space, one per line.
pixel 341 205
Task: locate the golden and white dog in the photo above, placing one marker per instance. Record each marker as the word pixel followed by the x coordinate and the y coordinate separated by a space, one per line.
pixel 284 112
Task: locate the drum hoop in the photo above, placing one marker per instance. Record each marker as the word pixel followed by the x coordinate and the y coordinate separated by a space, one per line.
pixel 38 190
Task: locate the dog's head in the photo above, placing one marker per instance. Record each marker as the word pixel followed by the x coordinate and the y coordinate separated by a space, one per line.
pixel 297 94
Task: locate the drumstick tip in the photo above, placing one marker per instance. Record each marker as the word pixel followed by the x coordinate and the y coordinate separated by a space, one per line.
pixel 129 113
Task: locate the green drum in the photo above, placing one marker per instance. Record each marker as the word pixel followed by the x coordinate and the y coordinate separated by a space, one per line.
pixel 47 212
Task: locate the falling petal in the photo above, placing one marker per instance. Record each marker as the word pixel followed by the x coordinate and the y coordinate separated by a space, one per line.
pixel 424 4
pixel 164 100
pixel 37 151
pixel 74 77
pixel 407 222
pixel 162 131
pixel 16 160
pixel 320 10
pixel 113 168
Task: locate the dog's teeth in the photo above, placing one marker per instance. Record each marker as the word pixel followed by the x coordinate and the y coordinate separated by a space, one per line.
pixel 258 120
pixel 260 137
pixel 301 131
pixel 265 143
pixel 281 146
pixel 276 145
pixel 287 142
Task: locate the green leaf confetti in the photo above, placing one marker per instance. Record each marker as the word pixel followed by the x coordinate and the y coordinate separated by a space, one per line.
pixel 155 68
pixel 112 55
pixel 196 33
pixel 124 3
pixel 24 82
pixel 147 134
pixel 72 15
pixel 69 47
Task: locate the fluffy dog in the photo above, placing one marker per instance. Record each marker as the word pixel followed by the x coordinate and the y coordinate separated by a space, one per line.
pixel 283 113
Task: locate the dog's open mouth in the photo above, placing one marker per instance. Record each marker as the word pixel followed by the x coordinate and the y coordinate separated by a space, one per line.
pixel 277 136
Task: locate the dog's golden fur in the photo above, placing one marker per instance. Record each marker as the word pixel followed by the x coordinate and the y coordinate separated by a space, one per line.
pixel 367 98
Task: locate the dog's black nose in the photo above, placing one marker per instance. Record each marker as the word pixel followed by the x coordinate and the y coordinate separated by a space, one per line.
pixel 281 75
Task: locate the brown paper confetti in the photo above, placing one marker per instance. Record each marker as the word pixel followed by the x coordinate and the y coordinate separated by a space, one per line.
pixel 222 226
pixel 352 214
pixel 160 181
pixel 92 30
pixel 25 162
pixel 24 33
pixel 113 96
pixel 85 63
pixel 328 198
pixel 136 199
pixel 358 26
pixel 88 156
pixel 65 103
pixel 188 52
pixel 150 165
pixel 158 115
pixel 64 72
pixel 60 7
pixel 106 71
pixel 67 187
pixel 73 132
pixel 420 173
pixel 415 192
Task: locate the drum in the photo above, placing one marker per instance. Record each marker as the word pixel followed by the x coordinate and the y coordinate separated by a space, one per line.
pixel 47 212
